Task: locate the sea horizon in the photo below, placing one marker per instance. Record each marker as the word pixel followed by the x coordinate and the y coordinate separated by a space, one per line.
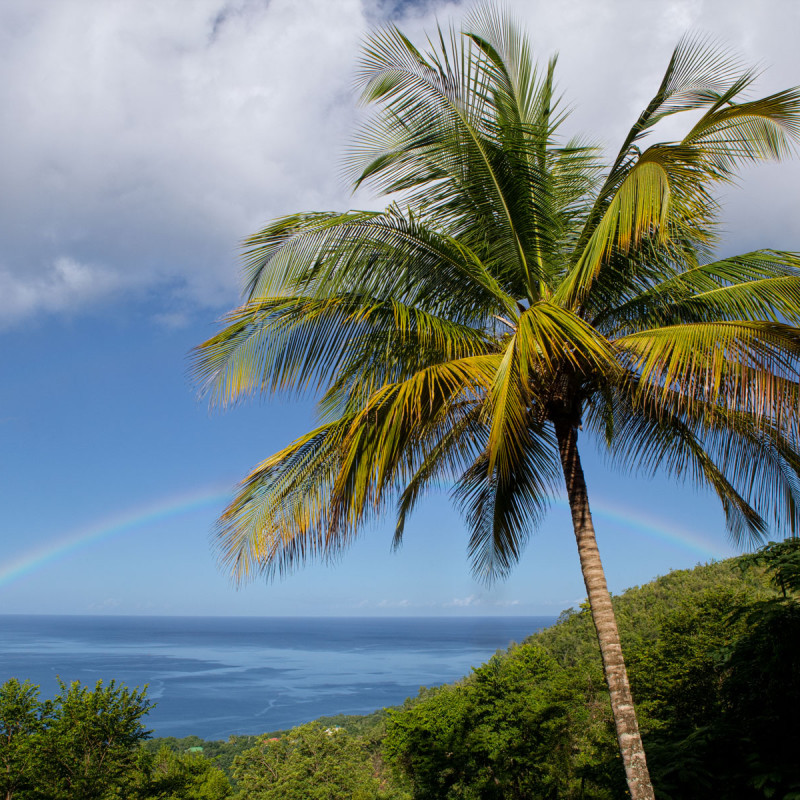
pixel 214 676
pixel 278 616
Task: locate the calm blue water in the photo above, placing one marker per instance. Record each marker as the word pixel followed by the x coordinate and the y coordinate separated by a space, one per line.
pixel 214 676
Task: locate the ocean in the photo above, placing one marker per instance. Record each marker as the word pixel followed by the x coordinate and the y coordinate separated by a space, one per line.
pixel 217 676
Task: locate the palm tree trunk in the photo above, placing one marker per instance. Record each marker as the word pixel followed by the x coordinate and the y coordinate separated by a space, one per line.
pixel 630 741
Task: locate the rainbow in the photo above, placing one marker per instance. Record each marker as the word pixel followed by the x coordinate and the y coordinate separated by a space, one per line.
pixel 108 528
pixel 653 528
pixel 129 520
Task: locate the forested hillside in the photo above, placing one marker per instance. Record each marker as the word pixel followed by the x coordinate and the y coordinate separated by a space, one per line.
pixel 714 661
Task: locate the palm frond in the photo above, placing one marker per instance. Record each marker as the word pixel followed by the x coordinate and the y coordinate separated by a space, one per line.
pixel 717 290
pixel 442 101
pixel 478 139
pixel 549 337
pixel 502 509
pixel 699 72
pixel 666 190
pixel 730 134
pixel 442 464
pixel 772 299
pixel 658 197
pixel 743 458
pixel 308 500
pixel 299 344
pixel 745 366
pixel 384 255
pixel 646 437
pixel 279 517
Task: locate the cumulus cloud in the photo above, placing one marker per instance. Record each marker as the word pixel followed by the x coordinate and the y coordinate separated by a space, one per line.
pixel 63 284
pixel 143 140
pixel 151 137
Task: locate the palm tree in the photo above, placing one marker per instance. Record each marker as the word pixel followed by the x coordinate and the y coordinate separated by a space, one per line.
pixel 517 293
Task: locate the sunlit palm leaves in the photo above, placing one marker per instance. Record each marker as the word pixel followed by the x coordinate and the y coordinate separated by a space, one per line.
pixel 515 282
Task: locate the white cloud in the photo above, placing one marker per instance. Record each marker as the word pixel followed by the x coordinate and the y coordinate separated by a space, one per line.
pixel 463 602
pixel 149 137
pixel 404 603
pixel 153 136
pixel 475 600
pixel 63 284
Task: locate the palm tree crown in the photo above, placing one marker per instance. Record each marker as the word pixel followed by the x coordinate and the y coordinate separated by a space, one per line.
pixel 518 291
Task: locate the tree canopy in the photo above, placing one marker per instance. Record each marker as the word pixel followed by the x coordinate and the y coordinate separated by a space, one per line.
pixel 81 745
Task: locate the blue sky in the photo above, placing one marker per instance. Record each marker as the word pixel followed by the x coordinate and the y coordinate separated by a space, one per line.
pixel 146 140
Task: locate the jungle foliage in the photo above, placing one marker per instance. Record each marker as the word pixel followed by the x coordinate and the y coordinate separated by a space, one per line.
pixel 220 753
pixel 81 745
pixel 314 762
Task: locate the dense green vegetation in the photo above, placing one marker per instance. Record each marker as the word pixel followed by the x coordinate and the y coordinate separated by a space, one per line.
pixel 221 753
pixel 84 743
pixel 314 762
pixel 714 660
pixel 168 775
